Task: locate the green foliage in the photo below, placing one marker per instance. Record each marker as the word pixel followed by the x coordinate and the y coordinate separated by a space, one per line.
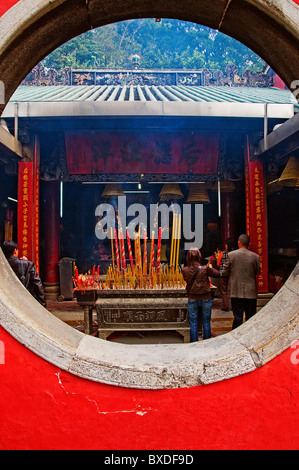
pixel 170 44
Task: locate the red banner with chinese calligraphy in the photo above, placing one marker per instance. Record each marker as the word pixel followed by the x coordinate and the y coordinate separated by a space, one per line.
pixel 91 152
pixel 256 216
pixel 25 209
pixel 36 191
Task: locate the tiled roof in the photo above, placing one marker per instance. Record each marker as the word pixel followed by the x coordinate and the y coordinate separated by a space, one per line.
pixel 152 93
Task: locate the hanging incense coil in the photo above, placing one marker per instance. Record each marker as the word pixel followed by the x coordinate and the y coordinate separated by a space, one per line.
pixel 113 189
pixel 226 186
pixel 170 191
pixel 198 193
pixel 273 186
pixel 290 174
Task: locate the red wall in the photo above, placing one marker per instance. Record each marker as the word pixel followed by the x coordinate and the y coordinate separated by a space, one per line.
pixel 6 4
pixel 42 407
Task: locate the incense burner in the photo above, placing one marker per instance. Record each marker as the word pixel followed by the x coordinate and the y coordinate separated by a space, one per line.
pixel 143 309
pixel 136 309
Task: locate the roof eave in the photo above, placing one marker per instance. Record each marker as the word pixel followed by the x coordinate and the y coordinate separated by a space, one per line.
pixel 42 109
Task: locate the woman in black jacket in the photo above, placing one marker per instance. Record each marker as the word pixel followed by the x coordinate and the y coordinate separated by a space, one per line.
pixel 199 293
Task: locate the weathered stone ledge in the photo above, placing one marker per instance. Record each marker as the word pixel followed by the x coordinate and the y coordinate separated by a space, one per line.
pixel 273 329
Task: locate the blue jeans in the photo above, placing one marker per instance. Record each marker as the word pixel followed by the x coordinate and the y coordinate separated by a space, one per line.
pixel 193 310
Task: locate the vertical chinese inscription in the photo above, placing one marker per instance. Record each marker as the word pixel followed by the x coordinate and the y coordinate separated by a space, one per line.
pixel 256 216
pixel 36 191
pixel 25 209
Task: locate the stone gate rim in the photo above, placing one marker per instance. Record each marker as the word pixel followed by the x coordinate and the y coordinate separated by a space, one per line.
pixel 29 31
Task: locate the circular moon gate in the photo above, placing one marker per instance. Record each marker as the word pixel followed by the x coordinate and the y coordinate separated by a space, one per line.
pixel 32 29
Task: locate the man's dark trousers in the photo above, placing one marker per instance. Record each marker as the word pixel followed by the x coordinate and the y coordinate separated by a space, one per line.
pixel 239 306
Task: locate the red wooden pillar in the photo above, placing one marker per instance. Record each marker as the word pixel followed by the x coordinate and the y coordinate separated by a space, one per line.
pixel 51 195
pixel 256 215
pixel 228 216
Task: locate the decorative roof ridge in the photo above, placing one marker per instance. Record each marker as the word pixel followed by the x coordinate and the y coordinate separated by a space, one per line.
pixel 230 77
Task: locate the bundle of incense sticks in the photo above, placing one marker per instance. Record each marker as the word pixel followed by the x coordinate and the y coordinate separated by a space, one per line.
pixel 144 273
pixel 88 281
pixel 166 279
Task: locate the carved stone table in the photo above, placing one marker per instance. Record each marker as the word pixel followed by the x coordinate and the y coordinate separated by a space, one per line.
pixel 87 299
pixel 142 309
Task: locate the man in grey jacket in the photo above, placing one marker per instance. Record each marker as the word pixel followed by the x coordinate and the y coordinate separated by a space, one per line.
pixel 242 266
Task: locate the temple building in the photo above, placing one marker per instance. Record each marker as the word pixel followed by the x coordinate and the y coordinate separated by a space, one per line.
pixel 224 141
